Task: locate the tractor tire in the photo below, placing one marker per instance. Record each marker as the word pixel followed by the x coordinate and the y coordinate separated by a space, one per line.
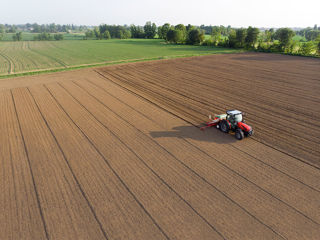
pixel 224 126
pixel 239 134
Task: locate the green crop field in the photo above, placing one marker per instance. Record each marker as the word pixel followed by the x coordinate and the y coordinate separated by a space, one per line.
pixel 29 56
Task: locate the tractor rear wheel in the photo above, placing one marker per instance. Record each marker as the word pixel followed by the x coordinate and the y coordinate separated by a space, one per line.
pixel 239 134
pixel 224 126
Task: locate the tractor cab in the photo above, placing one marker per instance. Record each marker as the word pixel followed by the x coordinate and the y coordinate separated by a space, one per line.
pixel 234 116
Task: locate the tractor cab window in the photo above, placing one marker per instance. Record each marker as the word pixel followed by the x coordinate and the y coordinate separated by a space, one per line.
pixel 238 118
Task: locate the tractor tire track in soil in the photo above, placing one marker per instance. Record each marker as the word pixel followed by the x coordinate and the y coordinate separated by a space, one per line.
pixel 10 63
pixel 116 152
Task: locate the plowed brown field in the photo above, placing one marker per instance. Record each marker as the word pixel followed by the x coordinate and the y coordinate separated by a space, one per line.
pixel 116 152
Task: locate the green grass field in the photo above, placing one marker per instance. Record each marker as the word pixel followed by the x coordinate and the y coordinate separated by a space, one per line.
pixel 28 56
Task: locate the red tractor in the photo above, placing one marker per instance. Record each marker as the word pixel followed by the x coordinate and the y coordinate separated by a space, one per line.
pixel 233 121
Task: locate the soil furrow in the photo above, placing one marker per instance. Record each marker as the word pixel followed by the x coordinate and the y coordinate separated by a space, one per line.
pixel 101 186
pixel 20 215
pixel 174 216
pixel 65 211
pixel 178 149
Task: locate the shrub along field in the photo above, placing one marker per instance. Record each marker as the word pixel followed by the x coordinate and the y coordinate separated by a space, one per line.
pixel 26 36
pixel 28 56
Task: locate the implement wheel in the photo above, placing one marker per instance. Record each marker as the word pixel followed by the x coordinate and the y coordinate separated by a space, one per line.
pixel 224 126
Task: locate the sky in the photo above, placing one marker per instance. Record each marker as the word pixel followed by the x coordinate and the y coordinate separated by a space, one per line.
pixel 237 13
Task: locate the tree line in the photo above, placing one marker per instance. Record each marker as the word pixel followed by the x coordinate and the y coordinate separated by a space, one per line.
pixel 48 37
pixel 105 31
pixel 178 34
pixel 40 28
pixel 46 31
pixel 269 40
pixel 311 34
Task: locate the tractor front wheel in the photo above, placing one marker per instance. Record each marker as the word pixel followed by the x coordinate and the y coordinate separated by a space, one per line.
pixel 239 134
pixel 224 126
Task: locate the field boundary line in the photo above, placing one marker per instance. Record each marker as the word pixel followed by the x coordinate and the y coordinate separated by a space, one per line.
pixel 67 162
pixel 106 161
pixel 30 168
pixel 143 162
pixel 181 162
pixel 222 163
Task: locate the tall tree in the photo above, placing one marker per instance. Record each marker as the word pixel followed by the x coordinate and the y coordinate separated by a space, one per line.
pixel 284 35
pixel 189 27
pixel 252 36
pixel 164 30
pixel 216 35
pixel 17 36
pixel 150 30
pixel 106 35
pixel 183 32
pixel 241 35
pixel 232 38
pixel 175 36
pixel 137 31
pixel 311 35
pixel 195 36
pixel 159 31
pixel 97 33
pixel 103 28
pixel 2 28
pixel 89 34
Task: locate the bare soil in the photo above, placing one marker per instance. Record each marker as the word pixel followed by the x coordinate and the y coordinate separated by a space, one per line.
pixel 116 152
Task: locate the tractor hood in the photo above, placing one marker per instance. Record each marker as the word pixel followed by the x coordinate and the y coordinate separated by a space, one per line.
pixel 244 127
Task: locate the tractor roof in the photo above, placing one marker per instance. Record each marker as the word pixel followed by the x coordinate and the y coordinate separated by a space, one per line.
pixel 233 112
